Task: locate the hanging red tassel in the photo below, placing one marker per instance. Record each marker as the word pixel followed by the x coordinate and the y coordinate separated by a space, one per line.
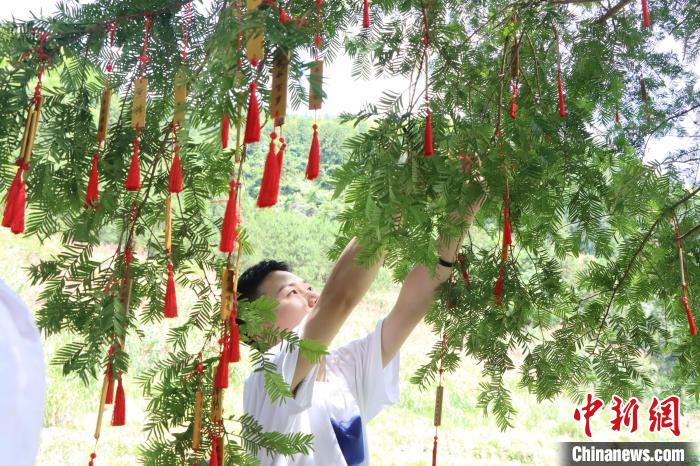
pixel 234 350
pixel 224 131
pixel 170 307
pixel 252 121
pixel 133 178
pixel 691 321
pixel 435 441
pixel 214 461
pixel 463 269
pixel 267 196
pixel 228 227
pixel 91 192
pixel 513 103
pixel 365 14
pixel 14 207
pixel 645 13
pixel 17 226
pixel 507 239
pixel 284 17
pixel 617 116
pixel 221 378
pixel 119 413
pixel 312 166
pixel 499 284
pixel 428 137
pixel 562 107
pixel 175 184
pixel 280 158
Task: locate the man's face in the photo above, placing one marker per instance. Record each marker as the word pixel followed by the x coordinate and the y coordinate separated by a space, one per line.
pixel 296 297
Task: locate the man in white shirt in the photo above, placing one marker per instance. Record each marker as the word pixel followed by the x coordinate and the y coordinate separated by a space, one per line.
pixel 333 400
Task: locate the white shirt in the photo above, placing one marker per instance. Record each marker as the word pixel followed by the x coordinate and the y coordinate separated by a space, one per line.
pixel 21 381
pixel 334 410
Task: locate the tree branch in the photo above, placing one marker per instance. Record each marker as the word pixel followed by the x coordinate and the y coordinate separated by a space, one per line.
pixel 612 11
pixel 689 232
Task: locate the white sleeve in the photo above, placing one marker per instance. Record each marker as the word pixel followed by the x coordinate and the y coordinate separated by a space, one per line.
pixel 375 387
pixel 21 381
pixel 273 415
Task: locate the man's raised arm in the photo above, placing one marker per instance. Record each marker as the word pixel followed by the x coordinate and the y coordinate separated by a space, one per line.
pixel 418 293
pixel 345 287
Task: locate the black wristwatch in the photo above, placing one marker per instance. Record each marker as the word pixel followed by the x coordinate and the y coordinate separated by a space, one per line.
pixel 444 263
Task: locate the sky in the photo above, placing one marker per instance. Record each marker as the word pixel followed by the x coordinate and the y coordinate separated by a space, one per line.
pixel 338 80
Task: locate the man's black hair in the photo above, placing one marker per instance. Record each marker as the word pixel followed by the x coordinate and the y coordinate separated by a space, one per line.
pixel 251 279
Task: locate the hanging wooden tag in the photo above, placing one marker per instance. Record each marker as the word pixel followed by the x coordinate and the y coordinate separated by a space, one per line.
pixel 217 401
pixel 168 222
pixel 255 39
pixel 180 98
pixel 25 135
pixel 438 406
pixel 226 293
pixel 101 409
pixel 220 448
pixel 103 122
pixel 138 110
pixel 278 93
pixel 316 86
pixel 197 424
pixel 515 60
pixel 33 122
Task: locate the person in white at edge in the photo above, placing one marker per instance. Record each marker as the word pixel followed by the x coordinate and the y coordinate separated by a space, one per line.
pixel 334 400
pixel 21 382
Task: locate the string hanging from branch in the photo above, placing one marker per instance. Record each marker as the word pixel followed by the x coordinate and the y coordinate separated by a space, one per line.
pixel 562 106
pixel 138 114
pixel 92 189
pixel 514 72
pixel 686 305
pixel 437 417
pixel 315 100
pixel 507 241
pixel 428 135
pixel 13 216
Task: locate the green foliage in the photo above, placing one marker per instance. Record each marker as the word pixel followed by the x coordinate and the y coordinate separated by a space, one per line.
pixel 577 187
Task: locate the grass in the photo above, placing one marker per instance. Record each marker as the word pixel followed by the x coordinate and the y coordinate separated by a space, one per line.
pixel 402 434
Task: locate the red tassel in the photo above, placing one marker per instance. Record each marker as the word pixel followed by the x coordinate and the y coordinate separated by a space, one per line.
pixel 119 413
pixel 435 451
pixel 267 196
pixel 175 185
pixel 91 192
pixel 507 239
pixel 312 166
pixel 691 321
pixel 214 461
pixel 92 459
pixel 513 103
pixel 463 269
pixel 224 131
pixel 617 117
pixel 562 107
pixel 133 178
pixel 228 227
pixel 284 17
pixel 170 307
pixel 252 121
pixel 645 13
pixel 17 226
pixel 234 350
pixel 499 284
pixel 110 387
pixel 11 206
pixel 365 14
pixel 428 138
pixel 280 157
pixel 221 378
